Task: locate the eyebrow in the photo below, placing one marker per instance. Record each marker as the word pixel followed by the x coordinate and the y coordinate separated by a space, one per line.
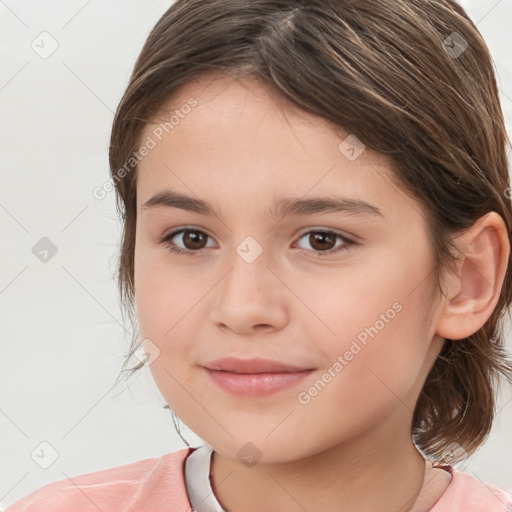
pixel 284 207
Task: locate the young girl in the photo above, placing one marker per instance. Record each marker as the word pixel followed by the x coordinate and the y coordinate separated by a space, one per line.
pixel 316 242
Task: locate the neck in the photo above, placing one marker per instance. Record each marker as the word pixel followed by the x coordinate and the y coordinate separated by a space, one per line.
pixel 366 474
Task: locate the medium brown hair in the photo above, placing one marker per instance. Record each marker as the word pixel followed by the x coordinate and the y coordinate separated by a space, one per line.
pixel 412 79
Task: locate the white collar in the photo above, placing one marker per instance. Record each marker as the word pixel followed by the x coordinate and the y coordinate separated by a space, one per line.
pixel 197 480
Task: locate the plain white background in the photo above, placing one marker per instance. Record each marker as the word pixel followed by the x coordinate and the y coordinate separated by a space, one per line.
pixel 62 336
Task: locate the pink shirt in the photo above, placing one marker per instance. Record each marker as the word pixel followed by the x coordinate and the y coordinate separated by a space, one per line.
pixel 158 485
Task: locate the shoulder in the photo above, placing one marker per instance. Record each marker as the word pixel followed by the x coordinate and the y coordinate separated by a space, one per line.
pixel 150 484
pixel 467 493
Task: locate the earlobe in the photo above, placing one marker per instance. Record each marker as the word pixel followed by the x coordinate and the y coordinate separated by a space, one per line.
pixel 473 293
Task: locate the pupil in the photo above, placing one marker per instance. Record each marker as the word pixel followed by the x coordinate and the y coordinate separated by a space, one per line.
pixel 193 237
pixel 322 236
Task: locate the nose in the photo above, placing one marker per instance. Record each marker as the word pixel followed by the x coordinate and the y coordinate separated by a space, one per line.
pixel 250 297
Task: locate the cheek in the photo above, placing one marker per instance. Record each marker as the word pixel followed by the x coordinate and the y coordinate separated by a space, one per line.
pixel 167 303
pixel 370 372
pixel 376 327
pixel 160 295
pixel 352 304
pixel 163 311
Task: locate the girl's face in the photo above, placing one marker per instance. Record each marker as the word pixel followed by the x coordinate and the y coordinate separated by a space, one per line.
pixel 260 278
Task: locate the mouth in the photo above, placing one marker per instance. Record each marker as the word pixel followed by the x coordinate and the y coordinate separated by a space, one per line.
pixel 255 365
pixel 254 377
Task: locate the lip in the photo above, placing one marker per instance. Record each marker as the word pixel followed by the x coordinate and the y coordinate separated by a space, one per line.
pixel 255 365
pixel 254 377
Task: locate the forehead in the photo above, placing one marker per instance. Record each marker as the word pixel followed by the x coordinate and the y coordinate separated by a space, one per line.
pixel 241 108
pixel 242 137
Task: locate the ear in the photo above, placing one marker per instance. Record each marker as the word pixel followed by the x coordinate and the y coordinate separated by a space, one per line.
pixel 472 295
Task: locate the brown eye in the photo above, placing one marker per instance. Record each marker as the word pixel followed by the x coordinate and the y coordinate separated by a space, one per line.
pixel 323 241
pixel 192 240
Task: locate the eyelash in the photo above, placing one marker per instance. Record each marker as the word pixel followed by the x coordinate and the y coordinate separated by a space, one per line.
pixel 166 241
